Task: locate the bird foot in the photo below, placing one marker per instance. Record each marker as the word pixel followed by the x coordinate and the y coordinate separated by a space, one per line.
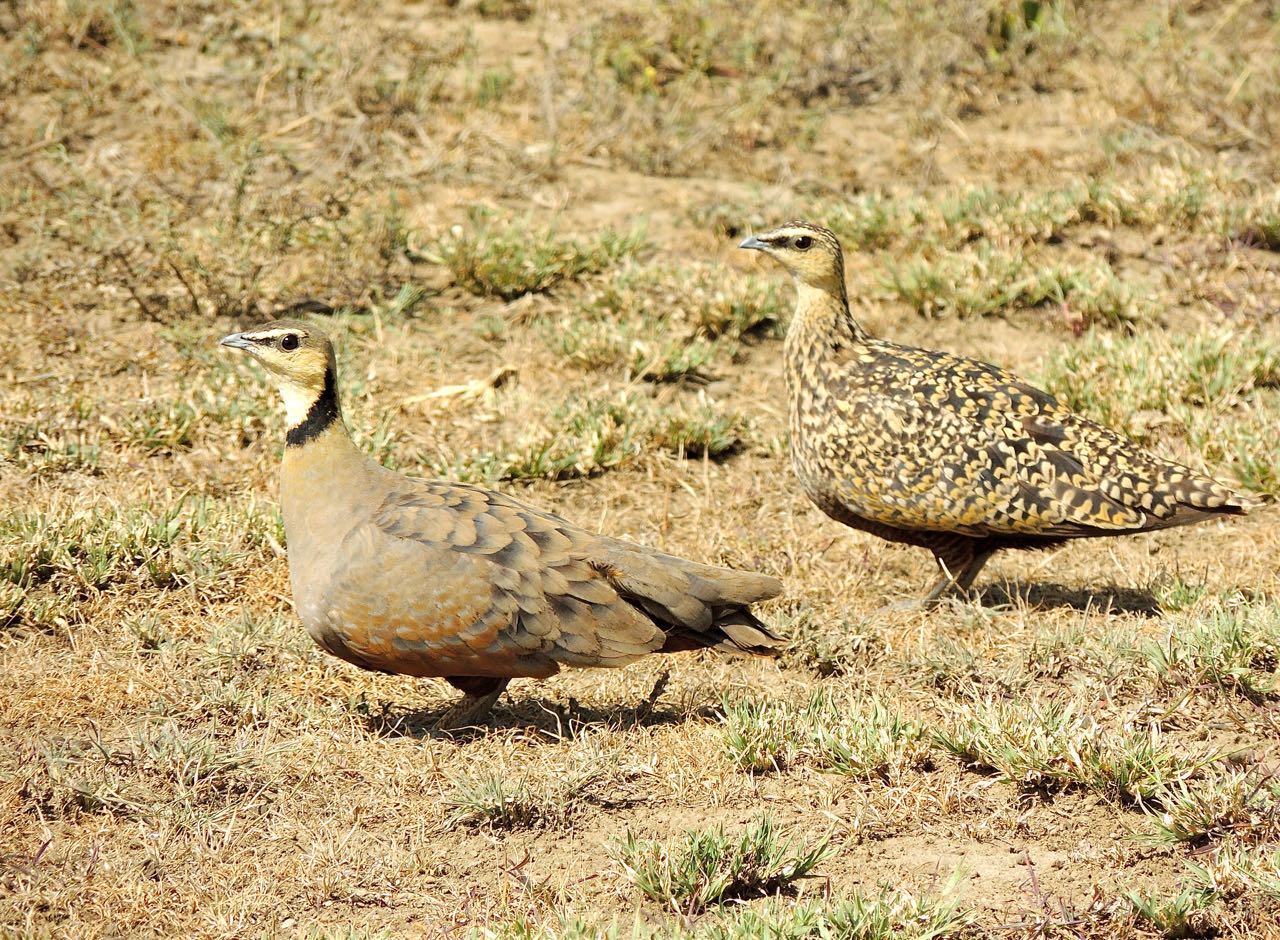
pixel 468 712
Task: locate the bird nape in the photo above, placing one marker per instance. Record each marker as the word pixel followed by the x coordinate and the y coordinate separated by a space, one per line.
pixel 949 453
pixel 434 578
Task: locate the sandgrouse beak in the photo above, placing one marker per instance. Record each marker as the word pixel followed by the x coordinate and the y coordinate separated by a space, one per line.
pixel 236 341
pixel 753 242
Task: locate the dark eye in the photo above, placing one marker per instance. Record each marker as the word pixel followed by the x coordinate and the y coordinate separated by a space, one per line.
pixel 289 341
pixel 802 243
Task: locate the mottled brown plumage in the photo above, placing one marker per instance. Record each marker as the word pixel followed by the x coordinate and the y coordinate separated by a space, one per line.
pixel 949 453
pixel 432 578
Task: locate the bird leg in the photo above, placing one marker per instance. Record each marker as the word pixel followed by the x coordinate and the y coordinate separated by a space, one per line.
pixel 481 694
pixel 659 687
pixel 645 710
pixel 959 569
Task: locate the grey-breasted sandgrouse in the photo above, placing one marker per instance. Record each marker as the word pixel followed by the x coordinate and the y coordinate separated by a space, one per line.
pixel 433 578
pixel 949 453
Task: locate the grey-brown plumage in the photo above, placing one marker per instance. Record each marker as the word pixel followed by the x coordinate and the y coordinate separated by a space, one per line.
pixel 432 578
pixel 950 453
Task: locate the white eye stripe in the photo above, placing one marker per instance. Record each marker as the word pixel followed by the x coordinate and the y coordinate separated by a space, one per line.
pixel 263 335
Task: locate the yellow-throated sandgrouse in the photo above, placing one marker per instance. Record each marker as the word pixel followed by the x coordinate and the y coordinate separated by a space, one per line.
pixel 432 578
pixel 949 453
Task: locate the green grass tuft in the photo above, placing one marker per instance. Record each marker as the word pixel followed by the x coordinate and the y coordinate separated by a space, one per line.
pixel 863 739
pixel 1052 746
pixel 1185 914
pixel 1218 805
pixel 510 260
pixel 708 867
pixel 587 436
pixel 1233 649
pixel 988 280
pixel 77 553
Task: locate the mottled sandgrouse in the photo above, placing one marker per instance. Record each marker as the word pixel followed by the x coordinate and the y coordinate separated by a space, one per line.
pixel 433 578
pixel 949 453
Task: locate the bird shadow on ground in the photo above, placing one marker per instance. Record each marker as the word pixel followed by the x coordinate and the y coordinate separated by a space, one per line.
pixel 1047 595
pixel 547 720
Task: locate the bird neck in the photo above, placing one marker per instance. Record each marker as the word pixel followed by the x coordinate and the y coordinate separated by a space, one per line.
pixel 822 319
pixel 311 413
pixel 317 440
pixel 323 470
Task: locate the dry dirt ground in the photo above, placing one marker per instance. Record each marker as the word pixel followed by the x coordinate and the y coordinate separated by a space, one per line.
pixel 519 221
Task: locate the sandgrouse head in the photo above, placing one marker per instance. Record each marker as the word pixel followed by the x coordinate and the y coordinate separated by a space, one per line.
pixel 297 356
pixel 292 351
pixel 810 253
